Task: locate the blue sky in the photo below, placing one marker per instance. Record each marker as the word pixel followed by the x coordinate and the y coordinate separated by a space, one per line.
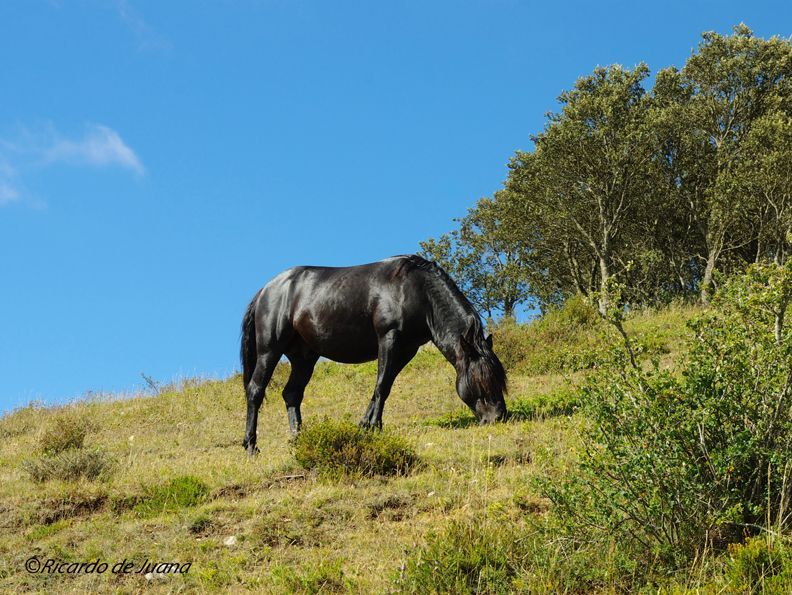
pixel 159 161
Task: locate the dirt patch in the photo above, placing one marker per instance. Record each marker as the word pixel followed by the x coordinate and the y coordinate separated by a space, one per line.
pixel 56 509
pixel 394 507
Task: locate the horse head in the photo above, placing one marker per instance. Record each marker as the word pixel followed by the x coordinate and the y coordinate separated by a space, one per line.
pixel 481 379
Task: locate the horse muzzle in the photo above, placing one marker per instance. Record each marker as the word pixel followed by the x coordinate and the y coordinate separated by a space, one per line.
pixel 488 413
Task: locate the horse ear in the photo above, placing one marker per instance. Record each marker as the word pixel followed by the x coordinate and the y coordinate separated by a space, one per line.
pixel 488 340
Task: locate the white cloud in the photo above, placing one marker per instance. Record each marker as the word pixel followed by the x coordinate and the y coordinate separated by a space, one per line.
pixel 8 193
pixel 101 146
pixel 8 185
pixel 146 37
pixel 32 151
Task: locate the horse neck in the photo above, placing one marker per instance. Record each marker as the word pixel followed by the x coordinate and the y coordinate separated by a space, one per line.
pixel 450 316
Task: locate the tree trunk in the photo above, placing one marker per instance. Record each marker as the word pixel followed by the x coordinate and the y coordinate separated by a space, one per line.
pixel 706 281
pixel 604 298
pixel 605 302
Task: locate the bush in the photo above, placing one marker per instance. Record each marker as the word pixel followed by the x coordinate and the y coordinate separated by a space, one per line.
pixel 342 448
pixel 465 558
pixel 676 463
pixel 756 565
pixel 491 555
pixel 64 430
pixel 67 465
pixel 180 492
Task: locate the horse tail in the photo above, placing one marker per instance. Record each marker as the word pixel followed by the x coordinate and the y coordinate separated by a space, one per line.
pixel 247 350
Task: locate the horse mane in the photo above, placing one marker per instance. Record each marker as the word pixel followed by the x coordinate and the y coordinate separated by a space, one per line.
pixel 415 262
pixel 485 371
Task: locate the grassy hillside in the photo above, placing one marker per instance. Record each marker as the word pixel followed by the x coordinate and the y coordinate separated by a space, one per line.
pixel 178 487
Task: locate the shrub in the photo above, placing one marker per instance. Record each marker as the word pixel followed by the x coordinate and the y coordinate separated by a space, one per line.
pixel 341 447
pixel 465 558
pixel 752 566
pixel 64 430
pixel 674 463
pixel 66 465
pixel 180 492
pixel 490 555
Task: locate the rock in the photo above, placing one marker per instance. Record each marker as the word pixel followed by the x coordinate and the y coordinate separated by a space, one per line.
pixel 230 541
pixel 155 575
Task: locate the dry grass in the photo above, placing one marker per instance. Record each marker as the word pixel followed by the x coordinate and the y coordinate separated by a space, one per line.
pixel 294 530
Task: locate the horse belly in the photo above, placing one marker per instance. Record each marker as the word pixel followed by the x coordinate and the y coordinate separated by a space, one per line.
pixel 348 344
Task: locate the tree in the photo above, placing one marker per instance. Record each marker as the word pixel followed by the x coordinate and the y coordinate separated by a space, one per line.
pixel 765 180
pixel 711 103
pixel 592 161
pixel 486 256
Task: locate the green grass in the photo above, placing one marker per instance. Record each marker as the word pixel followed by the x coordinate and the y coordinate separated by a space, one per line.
pixel 563 401
pixel 181 485
pixel 180 492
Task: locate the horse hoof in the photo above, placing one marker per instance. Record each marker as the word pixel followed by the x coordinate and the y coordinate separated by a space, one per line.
pixel 252 450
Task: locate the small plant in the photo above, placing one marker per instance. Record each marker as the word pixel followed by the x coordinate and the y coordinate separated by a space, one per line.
pixel 752 565
pixel 564 401
pixel 180 492
pixel 200 523
pixel 65 430
pixel 68 465
pixel 342 448
pixel 465 558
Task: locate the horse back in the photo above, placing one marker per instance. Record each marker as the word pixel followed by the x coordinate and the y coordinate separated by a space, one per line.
pixel 342 312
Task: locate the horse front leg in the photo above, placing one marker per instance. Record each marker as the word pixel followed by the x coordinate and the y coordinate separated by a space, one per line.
pixel 392 357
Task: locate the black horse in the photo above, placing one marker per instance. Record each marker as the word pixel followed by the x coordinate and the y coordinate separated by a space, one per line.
pixel 385 311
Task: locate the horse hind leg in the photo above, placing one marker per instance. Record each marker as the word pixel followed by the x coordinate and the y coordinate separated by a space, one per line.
pixel 301 370
pixel 265 366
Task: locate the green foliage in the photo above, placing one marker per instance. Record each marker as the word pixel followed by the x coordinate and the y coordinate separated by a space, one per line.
pixel 492 555
pixel 342 448
pixel 200 523
pixel 180 492
pixel 465 558
pixel 487 255
pixel 676 463
pixel 756 566
pixel 68 465
pixel 654 190
pixel 63 431
pixel 563 401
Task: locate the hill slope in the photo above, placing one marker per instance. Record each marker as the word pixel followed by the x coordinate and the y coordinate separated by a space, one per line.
pixel 181 489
